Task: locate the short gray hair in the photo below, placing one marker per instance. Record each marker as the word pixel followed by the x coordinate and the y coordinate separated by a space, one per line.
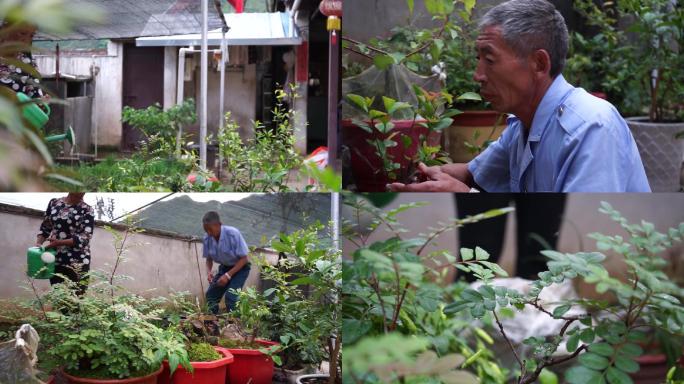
pixel 528 25
pixel 211 217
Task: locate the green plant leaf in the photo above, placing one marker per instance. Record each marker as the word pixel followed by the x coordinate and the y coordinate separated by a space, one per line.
pixel 603 349
pixel 467 254
pixel 581 375
pixel 481 254
pixel 561 310
pixel 616 376
pixel 626 364
pixel 382 62
pixel 593 361
pixel 472 96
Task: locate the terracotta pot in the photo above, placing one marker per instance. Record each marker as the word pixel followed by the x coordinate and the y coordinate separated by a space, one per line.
pixel 464 128
pixel 149 379
pixel 660 152
pixel 367 169
pixel 250 365
pixel 204 372
pixel 652 369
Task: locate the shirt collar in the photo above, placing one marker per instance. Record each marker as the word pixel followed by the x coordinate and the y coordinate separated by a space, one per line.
pixel 547 107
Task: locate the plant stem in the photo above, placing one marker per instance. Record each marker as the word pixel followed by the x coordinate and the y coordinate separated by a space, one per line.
pixel 510 344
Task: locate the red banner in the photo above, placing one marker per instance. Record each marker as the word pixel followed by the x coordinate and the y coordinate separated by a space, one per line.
pixel 239 5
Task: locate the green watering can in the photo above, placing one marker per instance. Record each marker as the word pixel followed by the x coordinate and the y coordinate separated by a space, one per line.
pixel 41 262
pixel 37 117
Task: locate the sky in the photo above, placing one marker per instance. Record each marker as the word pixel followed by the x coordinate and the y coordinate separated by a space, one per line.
pixel 123 202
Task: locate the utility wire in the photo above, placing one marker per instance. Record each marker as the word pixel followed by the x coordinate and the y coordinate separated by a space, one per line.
pixel 144 206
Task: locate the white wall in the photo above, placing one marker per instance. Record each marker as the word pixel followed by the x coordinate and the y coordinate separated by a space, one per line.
pixel 158 264
pixel 108 81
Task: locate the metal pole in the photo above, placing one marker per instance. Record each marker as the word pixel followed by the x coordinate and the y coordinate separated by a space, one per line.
pixel 203 86
pixel 335 218
pixel 333 89
pixel 222 92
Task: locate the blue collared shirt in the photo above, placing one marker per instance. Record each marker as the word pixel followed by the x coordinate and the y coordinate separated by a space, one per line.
pixel 228 250
pixel 577 143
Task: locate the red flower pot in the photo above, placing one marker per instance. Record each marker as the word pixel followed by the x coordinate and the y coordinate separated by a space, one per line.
pixel 652 369
pixel 205 372
pixel 149 379
pixel 251 366
pixel 369 175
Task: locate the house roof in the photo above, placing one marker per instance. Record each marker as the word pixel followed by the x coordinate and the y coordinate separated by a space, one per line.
pixel 135 18
pixel 258 217
pixel 245 29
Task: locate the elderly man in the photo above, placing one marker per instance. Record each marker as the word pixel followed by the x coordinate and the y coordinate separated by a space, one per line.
pixel 559 138
pixel 226 246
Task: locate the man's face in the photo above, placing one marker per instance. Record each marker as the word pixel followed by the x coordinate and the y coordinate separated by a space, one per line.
pixel 213 229
pixel 506 81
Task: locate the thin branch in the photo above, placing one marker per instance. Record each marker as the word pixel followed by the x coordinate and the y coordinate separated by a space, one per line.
pixel 376 287
pixel 372 48
pixel 398 308
pixel 510 344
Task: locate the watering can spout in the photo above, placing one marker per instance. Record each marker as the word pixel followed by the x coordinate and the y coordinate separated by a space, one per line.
pixel 68 136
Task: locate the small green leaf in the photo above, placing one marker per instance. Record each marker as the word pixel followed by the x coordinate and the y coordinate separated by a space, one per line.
pixel 626 364
pixel 481 254
pixel 470 96
pixel 383 62
pixel 603 349
pixel 594 361
pixel 581 375
pixel 467 254
pixel 573 343
pixel 560 310
pixel 587 335
pixel 616 376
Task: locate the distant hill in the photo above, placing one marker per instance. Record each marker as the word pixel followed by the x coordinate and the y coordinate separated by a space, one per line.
pixel 258 217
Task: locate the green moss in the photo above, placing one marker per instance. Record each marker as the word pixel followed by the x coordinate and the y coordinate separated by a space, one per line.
pixel 102 373
pixel 239 344
pixel 202 352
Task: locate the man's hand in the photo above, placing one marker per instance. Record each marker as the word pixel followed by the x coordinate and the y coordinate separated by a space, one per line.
pixel 223 280
pixel 210 277
pixel 437 181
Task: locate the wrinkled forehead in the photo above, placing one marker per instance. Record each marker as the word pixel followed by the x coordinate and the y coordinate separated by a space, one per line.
pixel 491 41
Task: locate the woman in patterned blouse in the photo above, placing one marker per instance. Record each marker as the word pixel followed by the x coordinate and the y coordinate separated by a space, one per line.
pixel 68 226
pixel 12 75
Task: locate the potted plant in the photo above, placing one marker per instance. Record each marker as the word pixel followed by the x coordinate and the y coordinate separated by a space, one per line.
pixel 651 35
pixel 394 292
pixel 209 365
pixel 304 302
pixel 107 335
pixel 253 357
pixel 446 49
pixel 605 339
pixel 385 149
pixel 100 340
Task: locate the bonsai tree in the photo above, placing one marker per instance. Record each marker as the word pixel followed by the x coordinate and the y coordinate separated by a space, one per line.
pixel 394 294
pixel 301 310
pixel 606 339
pixel 430 113
pixel 107 333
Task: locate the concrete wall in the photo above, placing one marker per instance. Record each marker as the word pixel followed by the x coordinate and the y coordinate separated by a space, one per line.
pixel 158 263
pixel 107 72
pixel 581 218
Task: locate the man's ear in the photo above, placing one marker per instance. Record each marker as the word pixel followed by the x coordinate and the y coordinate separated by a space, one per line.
pixel 541 62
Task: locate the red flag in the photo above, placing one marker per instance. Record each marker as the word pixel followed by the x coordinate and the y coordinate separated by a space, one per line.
pixel 239 5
